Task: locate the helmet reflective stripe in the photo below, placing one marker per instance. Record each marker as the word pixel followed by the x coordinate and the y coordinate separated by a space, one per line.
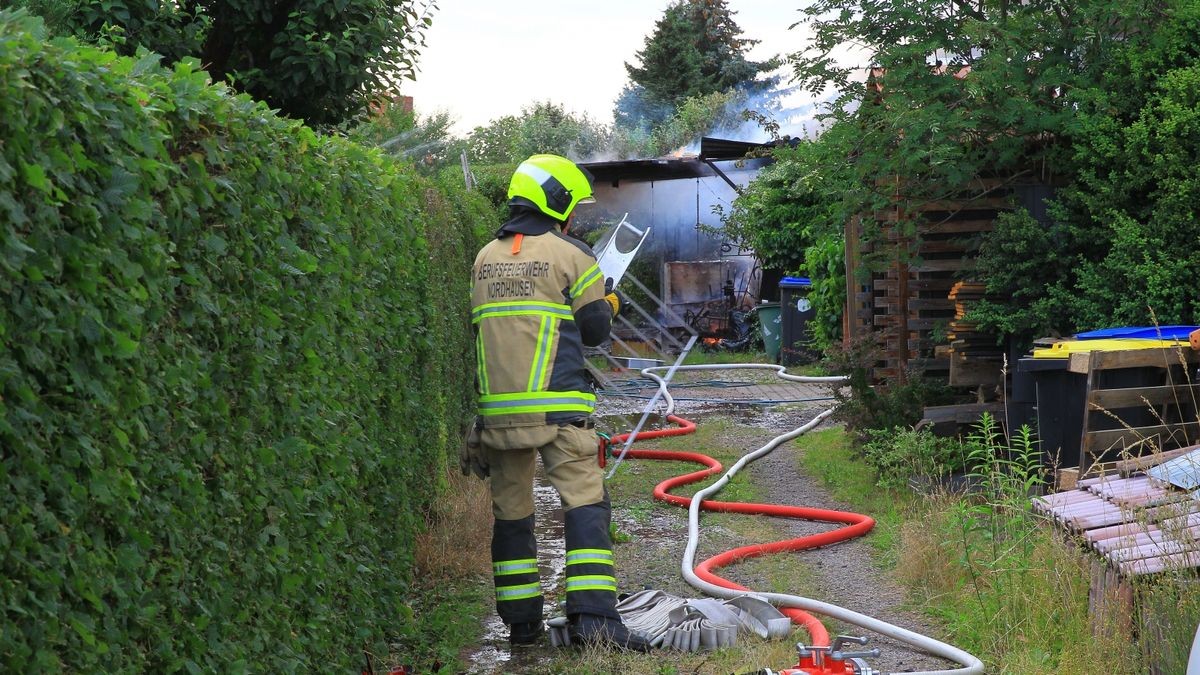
pixel 527 308
pixel 536 401
pixel 535 172
pixel 589 555
pixel 584 282
pixel 539 369
pixel 526 566
pixel 521 592
pixel 592 582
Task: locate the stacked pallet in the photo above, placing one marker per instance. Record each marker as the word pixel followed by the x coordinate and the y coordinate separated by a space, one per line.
pixel 928 246
pixel 975 358
pixel 1139 526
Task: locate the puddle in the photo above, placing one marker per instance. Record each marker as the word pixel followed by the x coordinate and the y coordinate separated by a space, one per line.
pixel 494 654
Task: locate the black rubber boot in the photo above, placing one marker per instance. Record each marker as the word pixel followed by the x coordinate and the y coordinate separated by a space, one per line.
pixel 603 631
pixel 525 633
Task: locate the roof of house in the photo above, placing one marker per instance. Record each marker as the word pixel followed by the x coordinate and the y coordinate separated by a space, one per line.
pixel 681 165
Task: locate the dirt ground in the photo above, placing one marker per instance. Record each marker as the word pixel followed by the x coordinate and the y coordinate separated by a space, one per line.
pixel 655 534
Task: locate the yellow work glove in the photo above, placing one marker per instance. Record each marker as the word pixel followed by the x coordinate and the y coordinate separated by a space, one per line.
pixel 614 302
pixel 471 458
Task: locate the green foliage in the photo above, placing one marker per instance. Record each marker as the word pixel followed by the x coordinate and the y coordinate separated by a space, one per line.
pixel 543 127
pixel 426 142
pixel 901 454
pixel 696 49
pixel 230 372
pixel 1026 271
pixel 792 216
pixel 934 131
pixel 491 184
pixel 895 404
pixel 996 530
pixel 314 60
pixel 1112 256
pixel 55 13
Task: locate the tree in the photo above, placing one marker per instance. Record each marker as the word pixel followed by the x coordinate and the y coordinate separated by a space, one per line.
pixel 963 91
pixel 543 127
pixel 696 49
pixel 426 141
pixel 311 59
pixel 957 89
pixel 792 216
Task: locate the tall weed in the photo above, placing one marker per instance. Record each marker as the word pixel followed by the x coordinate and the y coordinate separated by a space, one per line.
pixel 1006 584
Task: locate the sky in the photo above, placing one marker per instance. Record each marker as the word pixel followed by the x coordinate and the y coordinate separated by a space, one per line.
pixel 485 59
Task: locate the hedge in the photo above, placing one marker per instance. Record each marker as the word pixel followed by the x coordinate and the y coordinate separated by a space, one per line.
pixel 232 362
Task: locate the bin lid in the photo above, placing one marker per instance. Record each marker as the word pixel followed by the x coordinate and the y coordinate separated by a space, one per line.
pixel 795 282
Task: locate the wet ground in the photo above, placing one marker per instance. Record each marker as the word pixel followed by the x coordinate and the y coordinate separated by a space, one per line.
pixel 843 574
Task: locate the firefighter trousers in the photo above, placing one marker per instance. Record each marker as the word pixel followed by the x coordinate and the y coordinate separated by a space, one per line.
pixel 569 457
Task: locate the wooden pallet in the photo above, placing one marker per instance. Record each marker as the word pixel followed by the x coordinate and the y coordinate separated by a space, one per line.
pixel 1136 528
pixel 906 308
pixel 1121 421
pixel 1137 525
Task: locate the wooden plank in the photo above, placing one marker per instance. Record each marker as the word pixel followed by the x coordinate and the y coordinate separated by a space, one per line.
pixel 1086 461
pixel 916 284
pixel 956 265
pixel 966 372
pixel 916 304
pixel 959 246
pixel 931 304
pixel 957 227
pixel 1142 396
pixel 1127 466
pixel 965 412
pixel 1110 607
pixel 1101 534
pixel 1160 357
pixel 1152 535
pixel 1161 564
pixel 913 323
pixel 1181 433
pixel 980 204
pixel 1148 550
pixel 1066 479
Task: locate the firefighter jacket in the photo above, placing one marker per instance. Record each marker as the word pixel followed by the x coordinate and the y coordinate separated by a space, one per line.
pixel 537 298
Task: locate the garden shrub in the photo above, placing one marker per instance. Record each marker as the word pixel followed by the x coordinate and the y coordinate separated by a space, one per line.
pixel 902 454
pixel 898 403
pixel 231 365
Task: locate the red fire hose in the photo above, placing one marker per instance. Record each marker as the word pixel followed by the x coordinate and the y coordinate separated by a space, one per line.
pixel 856 524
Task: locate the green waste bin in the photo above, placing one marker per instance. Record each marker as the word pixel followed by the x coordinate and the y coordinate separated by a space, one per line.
pixel 770 326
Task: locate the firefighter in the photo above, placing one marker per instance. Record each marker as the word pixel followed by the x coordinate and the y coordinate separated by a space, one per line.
pixel 537 298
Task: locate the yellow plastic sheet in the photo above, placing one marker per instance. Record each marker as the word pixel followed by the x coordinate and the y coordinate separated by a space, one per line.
pixel 1061 350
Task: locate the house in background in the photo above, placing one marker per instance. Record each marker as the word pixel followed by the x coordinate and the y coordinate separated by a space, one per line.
pixel 693 269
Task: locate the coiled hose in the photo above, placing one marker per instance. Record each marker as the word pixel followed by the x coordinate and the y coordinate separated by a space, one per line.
pixel 704 578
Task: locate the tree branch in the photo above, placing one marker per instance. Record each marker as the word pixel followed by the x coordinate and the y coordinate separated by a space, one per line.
pixel 966 7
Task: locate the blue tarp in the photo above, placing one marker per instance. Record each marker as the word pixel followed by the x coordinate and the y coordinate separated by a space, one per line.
pixel 1140 332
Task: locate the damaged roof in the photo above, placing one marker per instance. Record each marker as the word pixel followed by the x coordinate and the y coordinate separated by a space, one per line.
pixel 684 165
